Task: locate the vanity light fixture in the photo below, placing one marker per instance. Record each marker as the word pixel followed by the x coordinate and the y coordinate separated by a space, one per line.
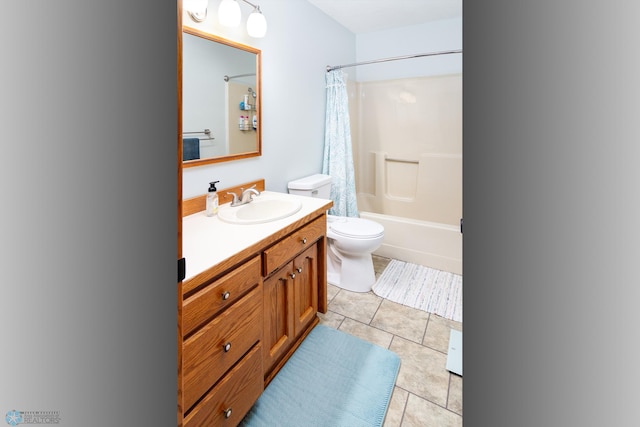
pixel 197 9
pixel 256 23
pixel 229 15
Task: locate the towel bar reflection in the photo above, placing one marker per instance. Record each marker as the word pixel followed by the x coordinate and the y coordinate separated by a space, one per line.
pixel 206 132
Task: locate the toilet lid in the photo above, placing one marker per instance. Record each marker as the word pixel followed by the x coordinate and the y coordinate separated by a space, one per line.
pixel 357 228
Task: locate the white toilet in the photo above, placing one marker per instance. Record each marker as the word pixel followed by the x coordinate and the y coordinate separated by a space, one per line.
pixel 350 240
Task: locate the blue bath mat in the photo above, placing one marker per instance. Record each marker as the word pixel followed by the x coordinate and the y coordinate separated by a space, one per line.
pixel 332 380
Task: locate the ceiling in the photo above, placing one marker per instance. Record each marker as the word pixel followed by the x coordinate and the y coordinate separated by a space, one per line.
pixel 364 16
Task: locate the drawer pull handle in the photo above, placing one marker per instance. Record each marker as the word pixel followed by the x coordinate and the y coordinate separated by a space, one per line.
pixel 292 275
pixel 304 240
pixel 226 295
pixel 299 269
pixel 227 413
pixel 226 347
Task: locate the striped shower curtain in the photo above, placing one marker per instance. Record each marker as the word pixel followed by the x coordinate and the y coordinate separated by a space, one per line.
pixel 338 156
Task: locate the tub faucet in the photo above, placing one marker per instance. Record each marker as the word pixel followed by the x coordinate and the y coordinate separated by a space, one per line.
pixel 246 196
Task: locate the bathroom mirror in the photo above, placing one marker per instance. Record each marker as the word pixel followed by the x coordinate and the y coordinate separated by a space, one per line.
pixel 221 99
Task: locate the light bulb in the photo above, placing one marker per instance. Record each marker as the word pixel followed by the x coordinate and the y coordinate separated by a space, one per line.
pixel 229 13
pixel 256 24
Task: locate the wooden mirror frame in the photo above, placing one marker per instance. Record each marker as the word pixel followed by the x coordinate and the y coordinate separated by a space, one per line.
pixel 258 90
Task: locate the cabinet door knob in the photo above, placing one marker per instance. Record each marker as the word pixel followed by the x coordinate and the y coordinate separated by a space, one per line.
pixel 226 347
pixel 226 295
pixel 227 413
pixel 292 275
pixel 299 269
pixel 304 240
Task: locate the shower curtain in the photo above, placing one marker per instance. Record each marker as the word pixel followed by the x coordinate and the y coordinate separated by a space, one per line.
pixel 338 156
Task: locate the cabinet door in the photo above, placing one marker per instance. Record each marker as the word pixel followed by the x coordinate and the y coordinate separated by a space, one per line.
pixel 305 289
pixel 278 332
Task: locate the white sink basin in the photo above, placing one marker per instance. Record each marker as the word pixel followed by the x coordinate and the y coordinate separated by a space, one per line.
pixel 259 211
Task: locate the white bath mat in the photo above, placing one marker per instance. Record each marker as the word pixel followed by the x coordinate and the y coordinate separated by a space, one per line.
pixel 421 287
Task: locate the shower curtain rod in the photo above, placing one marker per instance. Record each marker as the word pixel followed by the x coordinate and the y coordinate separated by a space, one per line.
pixel 227 78
pixel 417 55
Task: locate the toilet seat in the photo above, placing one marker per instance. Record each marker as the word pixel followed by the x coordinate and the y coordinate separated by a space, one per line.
pixel 356 228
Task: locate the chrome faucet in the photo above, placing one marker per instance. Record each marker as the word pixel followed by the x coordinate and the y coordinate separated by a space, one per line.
pixel 246 196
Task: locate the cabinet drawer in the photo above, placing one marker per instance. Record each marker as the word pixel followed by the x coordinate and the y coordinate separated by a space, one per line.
pixel 205 358
pixel 220 294
pixel 236 393
pixel 293 244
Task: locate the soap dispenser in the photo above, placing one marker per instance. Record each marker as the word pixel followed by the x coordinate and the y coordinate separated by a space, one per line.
pixel 212 199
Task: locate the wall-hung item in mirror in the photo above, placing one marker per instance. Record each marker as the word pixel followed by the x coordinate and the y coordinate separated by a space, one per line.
pixel 221 101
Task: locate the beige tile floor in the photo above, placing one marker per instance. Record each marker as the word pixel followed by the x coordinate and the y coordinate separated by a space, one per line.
pixel 425 394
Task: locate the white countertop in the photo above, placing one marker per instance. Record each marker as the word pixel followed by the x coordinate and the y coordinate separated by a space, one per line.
pixel 207 241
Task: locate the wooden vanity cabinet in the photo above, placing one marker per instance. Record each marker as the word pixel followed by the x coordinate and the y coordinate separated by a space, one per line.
pixel 305 289
pixel 241 324
pixel 278 332
pixel 291 292
pixel 290 305
pixel 221 349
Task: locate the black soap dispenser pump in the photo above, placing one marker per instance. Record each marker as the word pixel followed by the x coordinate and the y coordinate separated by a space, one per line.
pixel 212 199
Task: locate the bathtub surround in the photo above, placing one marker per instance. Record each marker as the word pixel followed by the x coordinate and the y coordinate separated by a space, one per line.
pixel 338 154
pixel 407 141
pixel 333 379
pixel 420 287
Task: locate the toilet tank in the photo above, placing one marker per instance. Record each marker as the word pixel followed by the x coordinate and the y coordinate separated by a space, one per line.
pixel 317 185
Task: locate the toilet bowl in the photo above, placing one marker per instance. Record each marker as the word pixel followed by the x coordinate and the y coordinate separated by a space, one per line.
pixel 350 241
pixel 350 244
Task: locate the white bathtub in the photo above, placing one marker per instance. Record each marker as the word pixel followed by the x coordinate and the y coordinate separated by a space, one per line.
pixel 426 243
